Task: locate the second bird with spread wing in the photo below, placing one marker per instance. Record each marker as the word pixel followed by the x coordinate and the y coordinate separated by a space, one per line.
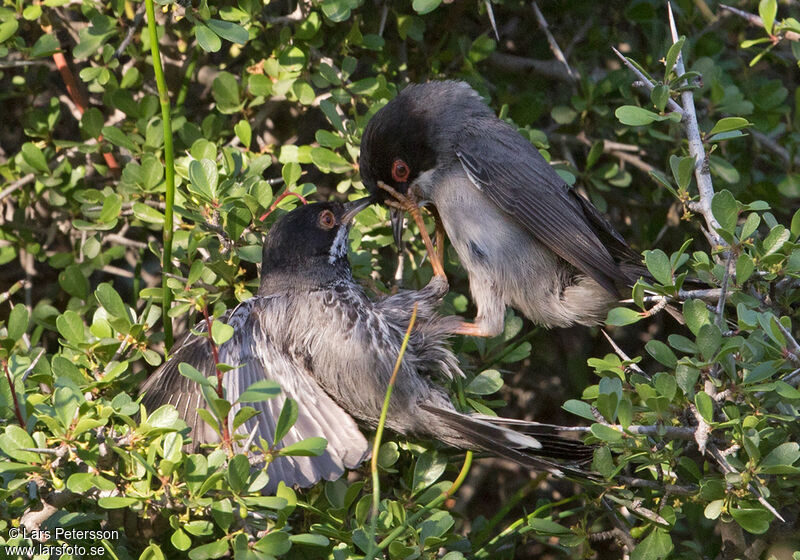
pixel 525 237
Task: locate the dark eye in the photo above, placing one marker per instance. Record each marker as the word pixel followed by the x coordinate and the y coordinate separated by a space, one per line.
pixel 326 220
pixel 400 171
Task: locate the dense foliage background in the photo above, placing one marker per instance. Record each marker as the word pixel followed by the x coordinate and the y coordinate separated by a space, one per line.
pixel 696 423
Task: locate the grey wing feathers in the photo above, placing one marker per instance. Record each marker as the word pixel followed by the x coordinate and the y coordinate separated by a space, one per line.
pixel 259 358
pixel 167 386
pixel 318 415
pixel 513 175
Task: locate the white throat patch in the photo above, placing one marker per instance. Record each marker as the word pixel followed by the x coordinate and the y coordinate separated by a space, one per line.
pixel 339 247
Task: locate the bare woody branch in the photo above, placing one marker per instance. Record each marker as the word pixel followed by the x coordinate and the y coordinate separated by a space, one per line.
pixel 753 19
pixel 702 173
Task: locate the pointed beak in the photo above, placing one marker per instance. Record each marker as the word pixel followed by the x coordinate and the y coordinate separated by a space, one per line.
pixel 398 220
pixel 354 207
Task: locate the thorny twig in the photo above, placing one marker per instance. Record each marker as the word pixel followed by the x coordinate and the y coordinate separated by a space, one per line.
pixel 726 275
pixel 552 40
pixel 753 19
pixel 623 355
pixel 701 170
pixel 793 347
pixel 137 21
pixel 490 12
pixel 226 434
pixel 646 82
pixel 726 467
pixel 17 409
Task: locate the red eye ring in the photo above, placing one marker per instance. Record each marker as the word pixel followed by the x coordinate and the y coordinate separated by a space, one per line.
pixel 400 171
pixel 326 220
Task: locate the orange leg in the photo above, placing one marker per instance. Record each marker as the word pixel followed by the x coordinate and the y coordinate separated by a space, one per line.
pixel 408 204
pixel 471 329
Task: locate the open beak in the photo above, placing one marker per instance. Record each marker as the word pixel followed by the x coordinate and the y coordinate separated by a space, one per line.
pixel 354 207
pixel 398 221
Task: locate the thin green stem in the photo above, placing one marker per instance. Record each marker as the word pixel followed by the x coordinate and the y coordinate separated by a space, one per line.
pixel 518 496
pixel 376 495
pixel 492 544
pixel 169 164
pixel 438 500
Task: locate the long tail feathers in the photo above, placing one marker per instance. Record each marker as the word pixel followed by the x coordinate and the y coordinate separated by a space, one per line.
pixel 533 445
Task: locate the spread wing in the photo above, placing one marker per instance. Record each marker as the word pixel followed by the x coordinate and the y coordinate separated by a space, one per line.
pixel 259 358
pixel 513 175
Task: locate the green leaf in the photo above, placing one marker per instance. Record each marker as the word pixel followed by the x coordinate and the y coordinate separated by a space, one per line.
pixel 163 417
pixel 329 161
pixel 659 96
pixel 657 545
pixel 744 268
pixel 430 466
pixel 220 332
pixel 216 549
pixel 72 280
pixel 70 326
pixel 621 316
pixel 181 540
pixel 14 440
pixel 775 239
pixel 116 502
pixel 225 90
pixel 274 543
pixel 672 57
pixel 579 408
pixel 728 124
pixel 204 176
pixel 147 213
pixel 485 383
pixel 309 447
pixel 243 132
pixel 207 39
pixel 92 120
pixel 705 406
pixel 767 10
pixel 228 30
pixel 696 314
pixel 725 209
pixel 632 115
pixel 34 157
pixel 606 433
pixel 189 371
pixel 286 419
pixel 709 340
pixel 260 391
pixel 752 520
pixel 423 7
pixel 238 472
pixel 118 138
pixel 781 459
pixel 222 512
pixel 750 225
pixel 661 352
pixel 336 11
pixel 8 28
pixel 291 173
pixel 18 321
pixel 658 264
pixel 112 302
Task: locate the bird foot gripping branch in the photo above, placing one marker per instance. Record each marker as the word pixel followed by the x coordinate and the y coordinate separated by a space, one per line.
pixel 408 203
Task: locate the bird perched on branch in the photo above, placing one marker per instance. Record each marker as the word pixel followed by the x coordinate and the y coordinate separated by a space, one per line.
pixel 525 237
pixel 313 330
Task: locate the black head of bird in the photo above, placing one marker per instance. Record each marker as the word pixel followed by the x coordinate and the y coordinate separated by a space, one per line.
pixel 525 237
pixel 332 350
pixel 308 246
